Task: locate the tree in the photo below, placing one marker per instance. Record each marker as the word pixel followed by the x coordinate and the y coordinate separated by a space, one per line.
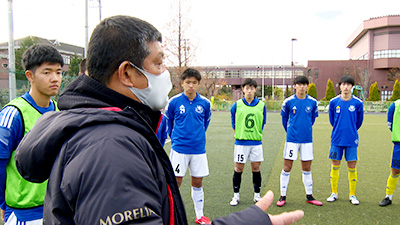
pixel 374 92
pixel 179 40
pixel 209 84
pixel 74 65
pixel 312 90
pixel 396 91
pixel 330 91
pixel 23 46
pixel 393 74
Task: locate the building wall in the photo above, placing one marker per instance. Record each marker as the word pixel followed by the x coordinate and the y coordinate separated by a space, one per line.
pixel 357 68
pixel 360 49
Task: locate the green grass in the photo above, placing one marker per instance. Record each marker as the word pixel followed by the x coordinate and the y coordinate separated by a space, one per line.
pixel 373 169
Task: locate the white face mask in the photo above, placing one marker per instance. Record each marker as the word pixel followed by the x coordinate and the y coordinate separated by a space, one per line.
pixel 155 95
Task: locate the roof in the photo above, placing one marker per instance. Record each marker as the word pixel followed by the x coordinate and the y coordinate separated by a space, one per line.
pixel 371 24
pixel 62 47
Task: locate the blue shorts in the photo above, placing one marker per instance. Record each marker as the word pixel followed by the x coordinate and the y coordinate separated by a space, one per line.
pixel 336 153
pixel 396 157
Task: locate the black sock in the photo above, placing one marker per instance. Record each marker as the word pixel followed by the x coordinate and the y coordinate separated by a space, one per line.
pixel 237 179
pixel 257 181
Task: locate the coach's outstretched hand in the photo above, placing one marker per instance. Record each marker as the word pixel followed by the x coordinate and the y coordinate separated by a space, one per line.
pixel 283 218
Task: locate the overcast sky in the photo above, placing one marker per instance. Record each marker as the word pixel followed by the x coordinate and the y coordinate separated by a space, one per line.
pixel 227 32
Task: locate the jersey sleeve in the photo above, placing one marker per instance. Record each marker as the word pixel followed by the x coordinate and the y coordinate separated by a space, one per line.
pixel 315 113
pixel 360 116
pixel 207 118
pixel 169 114
pixel 233 115
pixel 10 135
pixel 390 115
pixel 285 115
pixel 264 117
pixel 331 113
pixel 11 131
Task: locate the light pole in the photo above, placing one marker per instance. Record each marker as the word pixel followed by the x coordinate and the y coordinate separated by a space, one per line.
pixel 293 39
pixel 262 83
pixel 273 81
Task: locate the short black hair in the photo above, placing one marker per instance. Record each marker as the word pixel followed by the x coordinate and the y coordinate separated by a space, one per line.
pixel 115 40
pixel 38 54
pixel 347 79
pixel 190 72
pixel 301 80
pixel 250 82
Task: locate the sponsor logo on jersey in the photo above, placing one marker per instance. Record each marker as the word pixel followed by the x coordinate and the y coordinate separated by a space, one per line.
pixel 352 108
pixel 308 109
pixel 337 109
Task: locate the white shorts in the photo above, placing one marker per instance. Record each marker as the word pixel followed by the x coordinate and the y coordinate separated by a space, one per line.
pixel 12 220
pixel 293 149
pixel 198 164
pixel 252 152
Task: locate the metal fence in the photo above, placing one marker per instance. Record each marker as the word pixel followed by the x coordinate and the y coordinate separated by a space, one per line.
pixel 275 105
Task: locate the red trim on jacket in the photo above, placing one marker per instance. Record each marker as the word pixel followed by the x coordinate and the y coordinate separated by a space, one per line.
pixel 115 109
pixel 171 206
pixel 159 122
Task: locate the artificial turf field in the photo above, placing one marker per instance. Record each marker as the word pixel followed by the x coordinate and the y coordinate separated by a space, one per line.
pixel 375 151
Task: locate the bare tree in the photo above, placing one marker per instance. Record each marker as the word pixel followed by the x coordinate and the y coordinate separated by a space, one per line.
pixel 179 44
pixel 210 84
pixel 362 77
pixel 394 73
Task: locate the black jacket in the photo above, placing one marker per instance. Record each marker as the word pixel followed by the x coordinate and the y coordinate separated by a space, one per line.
pixel 104 162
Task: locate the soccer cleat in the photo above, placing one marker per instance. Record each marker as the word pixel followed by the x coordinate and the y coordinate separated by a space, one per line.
pixel 332 198
pixel 385 202
pixel 354 200
pixel 257 197
pixel 203 220
pixel 311 200
pixel 235 201
pixel 282 201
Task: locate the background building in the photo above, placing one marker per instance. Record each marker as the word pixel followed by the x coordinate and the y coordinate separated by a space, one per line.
pixel 66 50
pixel 374 57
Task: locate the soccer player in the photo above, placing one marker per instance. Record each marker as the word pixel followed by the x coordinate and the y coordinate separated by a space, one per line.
pixel 188 116
pixel 346 114
pixel 43 69
pixel 248 117
pixel 394 125
pixel 298 116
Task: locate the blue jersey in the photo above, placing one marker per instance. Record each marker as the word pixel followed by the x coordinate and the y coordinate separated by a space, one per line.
pixel 346 117
pixel 162 131
pixel 390 114
pixel 233 117
pixel 187 123
pixel 298 117
pixel 11 133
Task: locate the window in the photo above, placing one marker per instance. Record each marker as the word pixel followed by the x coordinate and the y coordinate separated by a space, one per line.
pixel 67 59
pixel 384 54
pixel 316 73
